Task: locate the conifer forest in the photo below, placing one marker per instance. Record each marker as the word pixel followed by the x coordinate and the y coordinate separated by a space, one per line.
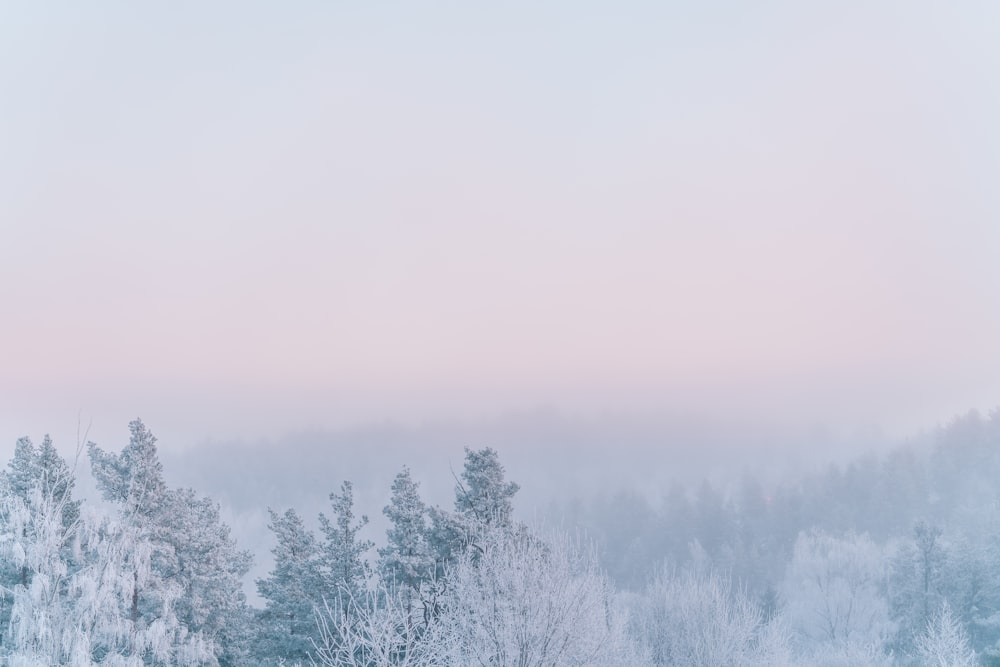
pixel 887 560
pixel 504 333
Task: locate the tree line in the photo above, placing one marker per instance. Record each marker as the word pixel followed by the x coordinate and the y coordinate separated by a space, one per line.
pixel 791 575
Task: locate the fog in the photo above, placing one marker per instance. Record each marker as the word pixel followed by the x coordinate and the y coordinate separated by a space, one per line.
pixel 676 308
pixel 244 220
pixel 558 459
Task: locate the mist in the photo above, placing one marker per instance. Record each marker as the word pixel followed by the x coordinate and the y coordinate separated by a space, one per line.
pixel 240 221
pixel 324 324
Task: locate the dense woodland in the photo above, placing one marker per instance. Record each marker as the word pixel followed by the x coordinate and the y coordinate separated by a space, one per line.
pixel 890 560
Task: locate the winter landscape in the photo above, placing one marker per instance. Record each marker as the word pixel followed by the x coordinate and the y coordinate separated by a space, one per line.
pixel 888 560
pixel 520 334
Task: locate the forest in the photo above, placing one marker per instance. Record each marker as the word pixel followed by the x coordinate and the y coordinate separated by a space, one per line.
pixel 891 559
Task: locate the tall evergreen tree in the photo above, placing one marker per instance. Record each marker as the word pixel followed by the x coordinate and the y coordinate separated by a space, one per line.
pixel 482 495
pixel 344 567
pixel 134 481
pixel 133 478
pixel 37 475
pixel 406 560
pixel 72 606
pixel 292 591
pixel 37 488
pixel 209 568
pixel 191 547
pixel 43 468
pixel 483 500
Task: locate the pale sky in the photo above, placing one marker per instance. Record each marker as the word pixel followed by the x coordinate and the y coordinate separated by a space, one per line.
pixel 239 218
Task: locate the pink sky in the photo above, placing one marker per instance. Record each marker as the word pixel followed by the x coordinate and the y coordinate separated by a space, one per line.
pixel 259 218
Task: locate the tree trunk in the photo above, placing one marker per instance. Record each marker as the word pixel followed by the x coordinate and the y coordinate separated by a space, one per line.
pixel 135 599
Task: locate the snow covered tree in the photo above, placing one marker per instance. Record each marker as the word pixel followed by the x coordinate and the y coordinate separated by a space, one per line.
pixel 944 642
pixel 209 567
pixel 483 499
pixel 120 557
pixel 73 607
pixel 38 527
pixel 191 548
pixel 915 585
pixel 406 560
pixel 833 592
pixel 846 655
pixel 292 592
pixel 43 468
pixel 133 478
pixel 309 576
pixel 694 619
pixel 482 495
pixel 374 631
pixel 33 471
pixel 528 603
pixel 343 561
pixel 972 587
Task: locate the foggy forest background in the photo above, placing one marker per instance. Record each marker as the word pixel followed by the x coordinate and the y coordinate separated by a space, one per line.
pixel 689 231
pixel 364 548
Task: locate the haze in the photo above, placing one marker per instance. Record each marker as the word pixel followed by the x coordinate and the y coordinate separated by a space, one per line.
pixel 240 219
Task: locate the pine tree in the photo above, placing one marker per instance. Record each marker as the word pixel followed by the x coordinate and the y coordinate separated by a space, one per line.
pixel 134 478
pixel 191 548
pixel 37 476
pixel 134 481
pixel 74 604
pixel 483 500
pixel 344 567
pixel 40 519
pixel 209 567
pixel 406 560
pixel 46 469
pixel 482 495
pixel 292 591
